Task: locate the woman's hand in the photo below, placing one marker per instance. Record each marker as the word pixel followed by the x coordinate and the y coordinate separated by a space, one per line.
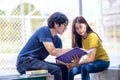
pixel 75 62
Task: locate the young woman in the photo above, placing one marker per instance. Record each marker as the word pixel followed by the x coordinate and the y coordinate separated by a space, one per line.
pixel 84 37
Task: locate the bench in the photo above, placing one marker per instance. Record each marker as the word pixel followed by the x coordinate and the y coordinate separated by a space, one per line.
pixel 112 73
pixel 24 77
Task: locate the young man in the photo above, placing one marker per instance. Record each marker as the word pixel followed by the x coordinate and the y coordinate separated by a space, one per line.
pixel 42 43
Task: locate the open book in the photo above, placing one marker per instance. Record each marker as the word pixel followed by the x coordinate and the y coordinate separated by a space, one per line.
pixel 67 57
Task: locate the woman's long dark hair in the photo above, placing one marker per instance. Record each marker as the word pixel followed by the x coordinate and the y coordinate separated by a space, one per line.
pixel 76 38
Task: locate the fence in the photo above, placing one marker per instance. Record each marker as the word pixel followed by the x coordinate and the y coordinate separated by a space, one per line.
pixel 15 31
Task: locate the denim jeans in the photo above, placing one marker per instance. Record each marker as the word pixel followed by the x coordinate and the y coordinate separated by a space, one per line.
pixel 59 71
pixel 86 69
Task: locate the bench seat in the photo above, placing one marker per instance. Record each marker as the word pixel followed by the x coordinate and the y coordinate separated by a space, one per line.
pixel 112 73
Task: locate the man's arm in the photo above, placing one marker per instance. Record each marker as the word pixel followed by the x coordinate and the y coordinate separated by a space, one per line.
pixel 54 51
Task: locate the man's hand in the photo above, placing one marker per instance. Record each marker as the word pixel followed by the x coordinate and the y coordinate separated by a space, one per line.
pixel 60 62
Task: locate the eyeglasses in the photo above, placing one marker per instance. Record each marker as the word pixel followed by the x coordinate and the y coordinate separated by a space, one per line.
pixel 64 24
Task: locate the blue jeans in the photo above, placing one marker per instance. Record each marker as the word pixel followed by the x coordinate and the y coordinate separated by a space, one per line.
pixel 59 71
pixel 86 69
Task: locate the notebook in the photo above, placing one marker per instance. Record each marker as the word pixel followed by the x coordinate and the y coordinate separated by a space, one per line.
pixel 67 57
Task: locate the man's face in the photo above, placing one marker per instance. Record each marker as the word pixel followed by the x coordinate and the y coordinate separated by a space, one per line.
pixel 60 28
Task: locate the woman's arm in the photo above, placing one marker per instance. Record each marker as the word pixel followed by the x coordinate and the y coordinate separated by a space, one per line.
pixel 77 61
pixel 90 58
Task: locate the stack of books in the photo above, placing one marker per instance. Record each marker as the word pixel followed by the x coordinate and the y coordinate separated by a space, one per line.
pixel 43 71
pixel 35 73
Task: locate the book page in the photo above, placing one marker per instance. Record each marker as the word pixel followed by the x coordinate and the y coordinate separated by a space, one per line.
pixel 90 50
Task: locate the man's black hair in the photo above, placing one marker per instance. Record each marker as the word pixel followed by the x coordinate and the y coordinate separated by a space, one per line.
pixel 58 18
